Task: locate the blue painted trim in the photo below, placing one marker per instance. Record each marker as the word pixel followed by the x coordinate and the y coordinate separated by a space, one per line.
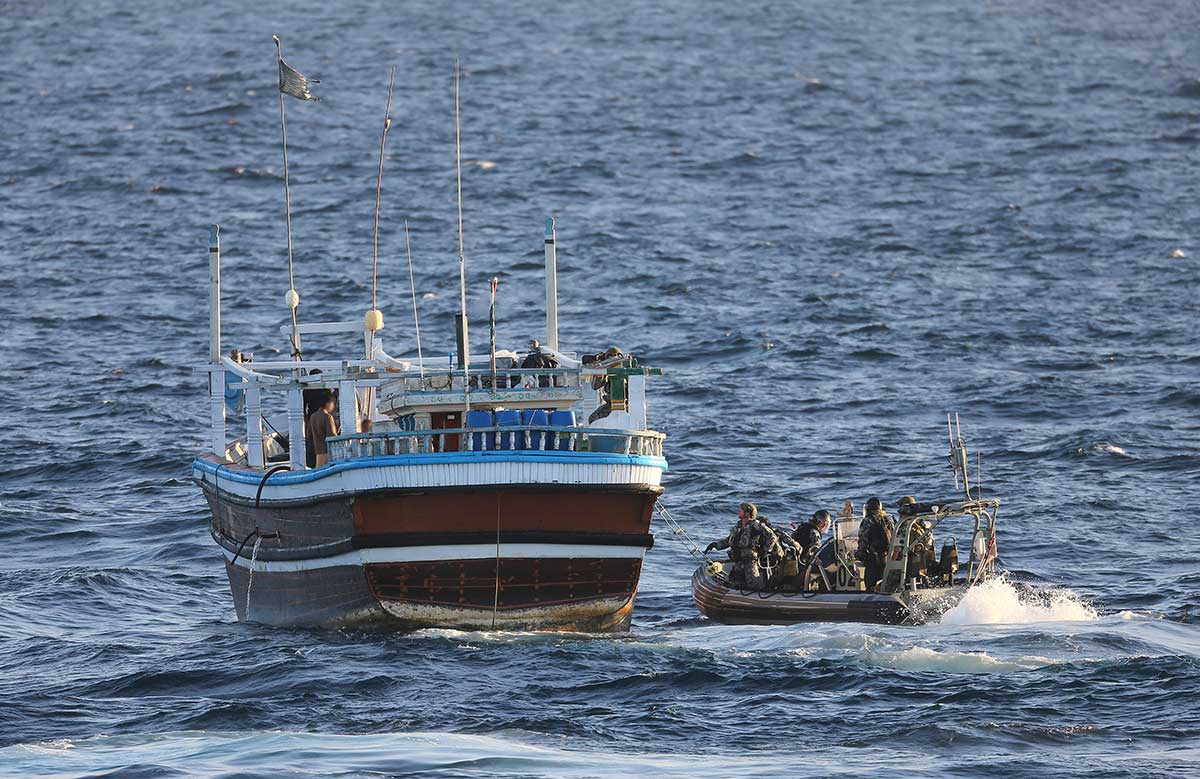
pixel 451 458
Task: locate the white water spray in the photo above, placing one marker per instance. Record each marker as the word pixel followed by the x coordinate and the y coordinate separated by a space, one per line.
pixel 250 583
pixel 998 602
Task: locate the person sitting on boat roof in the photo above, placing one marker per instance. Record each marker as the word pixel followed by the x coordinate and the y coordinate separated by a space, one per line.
pixel 808 535
pixel 539 360
pixel 743 543
pixel 322 425
pixel 874 540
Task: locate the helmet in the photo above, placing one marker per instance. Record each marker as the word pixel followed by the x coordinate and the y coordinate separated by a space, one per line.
pixel 822 516
pixel 750 509
pixel 907 500
pixel 874 506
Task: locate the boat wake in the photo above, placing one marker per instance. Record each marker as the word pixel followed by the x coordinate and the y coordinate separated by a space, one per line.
pixel 922 659
pixel 999 601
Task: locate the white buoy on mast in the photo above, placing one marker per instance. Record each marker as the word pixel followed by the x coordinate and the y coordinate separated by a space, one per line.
pixel 551 286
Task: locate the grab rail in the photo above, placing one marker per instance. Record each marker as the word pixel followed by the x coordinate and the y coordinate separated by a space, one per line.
pixel 496 438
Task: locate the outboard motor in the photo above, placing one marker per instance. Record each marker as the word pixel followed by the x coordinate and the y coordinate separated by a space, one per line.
pixel 948 564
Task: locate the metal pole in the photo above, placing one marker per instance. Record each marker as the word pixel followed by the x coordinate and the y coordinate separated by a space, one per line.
pixel 416 320
pixel 492 322
pixel 216 375
pixel 551 286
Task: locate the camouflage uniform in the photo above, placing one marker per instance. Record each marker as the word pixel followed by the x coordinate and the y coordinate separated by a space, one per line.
pixel 778 554
pixel 874 541
pixel 746 543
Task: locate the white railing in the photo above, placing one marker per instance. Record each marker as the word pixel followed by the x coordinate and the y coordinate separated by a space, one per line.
pixel 496 438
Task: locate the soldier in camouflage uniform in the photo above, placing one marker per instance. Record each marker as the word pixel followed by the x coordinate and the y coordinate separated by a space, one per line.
pixel 745 542
pixel 777 555
pixel 874 541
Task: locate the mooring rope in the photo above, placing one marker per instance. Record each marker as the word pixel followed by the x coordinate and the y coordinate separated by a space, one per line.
pixel 677 530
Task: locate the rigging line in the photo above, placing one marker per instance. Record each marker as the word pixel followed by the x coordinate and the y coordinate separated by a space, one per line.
pixel 387 123
pixel 496 589
pixel 413 285
pixel 677 529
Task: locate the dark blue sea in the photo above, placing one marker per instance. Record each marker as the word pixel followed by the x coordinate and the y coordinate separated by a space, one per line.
pixel 829 223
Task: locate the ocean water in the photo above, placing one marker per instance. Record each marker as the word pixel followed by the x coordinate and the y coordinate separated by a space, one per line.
pixel 829 223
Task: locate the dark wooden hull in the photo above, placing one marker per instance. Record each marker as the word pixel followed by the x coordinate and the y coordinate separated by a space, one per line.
pixel 722 603
pixel 520 557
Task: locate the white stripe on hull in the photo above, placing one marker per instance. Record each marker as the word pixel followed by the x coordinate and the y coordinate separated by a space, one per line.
pixel 508 474
pixel 422 554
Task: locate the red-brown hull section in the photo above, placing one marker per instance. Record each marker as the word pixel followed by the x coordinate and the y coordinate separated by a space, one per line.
pixel 567 557
pixel 507 510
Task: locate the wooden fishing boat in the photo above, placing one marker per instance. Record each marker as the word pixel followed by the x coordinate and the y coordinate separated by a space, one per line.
pixel 476 500
pixel 459 494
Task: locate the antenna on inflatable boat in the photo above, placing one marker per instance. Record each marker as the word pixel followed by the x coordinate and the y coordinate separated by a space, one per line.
pixel 958 455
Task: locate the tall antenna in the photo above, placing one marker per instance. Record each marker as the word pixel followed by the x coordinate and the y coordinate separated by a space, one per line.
pixel 465 341
pixel 958 456
pixel 413 285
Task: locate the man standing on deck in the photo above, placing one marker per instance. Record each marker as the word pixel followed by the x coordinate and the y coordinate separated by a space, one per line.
pixel 322 425
pixel 874 541
pixel 743 543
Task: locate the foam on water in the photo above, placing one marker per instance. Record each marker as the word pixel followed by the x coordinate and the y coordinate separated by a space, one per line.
pixel 999 602
pixel 919 658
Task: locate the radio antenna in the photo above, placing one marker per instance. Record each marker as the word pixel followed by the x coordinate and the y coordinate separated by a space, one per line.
pixel 958 455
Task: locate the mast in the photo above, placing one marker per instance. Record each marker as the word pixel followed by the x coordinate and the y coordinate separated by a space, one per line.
pixel 216 376
pixel 464 340
pixel 551 286
pixel 292 298
pixel 373 320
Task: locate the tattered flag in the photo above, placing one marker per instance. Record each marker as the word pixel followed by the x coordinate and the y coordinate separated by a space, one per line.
pixel 291 81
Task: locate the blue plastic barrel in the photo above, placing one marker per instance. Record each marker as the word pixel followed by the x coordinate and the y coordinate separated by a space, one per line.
pixel 511 440
pixel 561 419
pixel 480 441
pixel 535 416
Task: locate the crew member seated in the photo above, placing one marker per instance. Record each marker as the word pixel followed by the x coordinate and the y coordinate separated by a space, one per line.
pixel 922 561
pixel 539 360
pixel 808 535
